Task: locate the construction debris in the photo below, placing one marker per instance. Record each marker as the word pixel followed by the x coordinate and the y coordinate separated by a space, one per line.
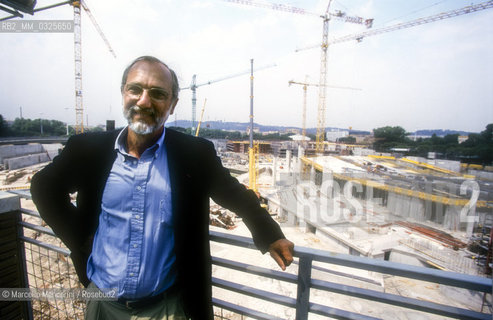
pixel 222 218
pixel 443 237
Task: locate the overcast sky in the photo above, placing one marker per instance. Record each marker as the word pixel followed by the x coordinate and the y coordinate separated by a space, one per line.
pixel 435 76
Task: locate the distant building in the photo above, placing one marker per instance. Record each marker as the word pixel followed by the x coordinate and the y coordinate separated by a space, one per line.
pixel 334 135
pixel 292 130
pixel 299 137
pixel 255 130
pixel 463 138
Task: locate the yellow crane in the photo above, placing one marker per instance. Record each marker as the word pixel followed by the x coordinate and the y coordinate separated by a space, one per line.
pixel 323 60
pixel 200 121
pixel 359 36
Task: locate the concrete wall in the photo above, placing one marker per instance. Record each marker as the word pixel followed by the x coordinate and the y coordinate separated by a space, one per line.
pixel 363 151
pixel 446 164
pixel 481 174
pixel 12 151
pixel 20 156
pixel 25 161
pixel 402 257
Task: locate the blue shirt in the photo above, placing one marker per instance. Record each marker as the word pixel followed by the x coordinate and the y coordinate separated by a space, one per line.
pixel 133 248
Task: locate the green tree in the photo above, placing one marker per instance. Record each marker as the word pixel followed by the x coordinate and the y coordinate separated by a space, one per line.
pixel 348 139
pixel 4 127
pixel 390 137
pixel 28 128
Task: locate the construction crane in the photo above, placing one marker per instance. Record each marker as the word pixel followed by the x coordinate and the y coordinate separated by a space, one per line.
pixel 305 85
pixel 413 23
pixel 193 86
pixel 79 110
pixel 323 59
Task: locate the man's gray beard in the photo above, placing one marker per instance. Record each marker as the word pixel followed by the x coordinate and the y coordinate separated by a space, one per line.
pixel 140 127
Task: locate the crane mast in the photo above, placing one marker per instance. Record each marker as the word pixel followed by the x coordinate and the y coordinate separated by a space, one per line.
pixel 319 146
pixel 79 111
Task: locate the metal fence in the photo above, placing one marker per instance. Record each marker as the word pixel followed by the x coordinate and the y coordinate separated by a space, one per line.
pixel 48 266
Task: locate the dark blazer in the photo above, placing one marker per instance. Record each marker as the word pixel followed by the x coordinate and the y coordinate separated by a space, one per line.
pixel 196 173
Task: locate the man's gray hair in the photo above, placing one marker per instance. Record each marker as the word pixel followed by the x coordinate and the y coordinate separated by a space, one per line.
pixel 175 86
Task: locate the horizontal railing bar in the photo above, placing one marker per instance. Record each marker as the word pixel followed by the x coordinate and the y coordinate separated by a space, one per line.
pixel 259 271
pixel 242 310
pixel 253 292
pixel 38 228
pixel 356 292
pixel 334 313
pixel 24 193
pixel 345 275
pixel 30 212
pixel 397 300
pixel 399 269
pixel 48 246
pixel 455 279
pixel 287 301
pixel 238 241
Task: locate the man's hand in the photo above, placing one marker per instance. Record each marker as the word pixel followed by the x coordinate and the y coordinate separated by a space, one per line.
pixel 282 252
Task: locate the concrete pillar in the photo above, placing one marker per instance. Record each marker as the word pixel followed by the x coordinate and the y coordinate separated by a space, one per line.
pixel 274 171
pixel 288 160
pixel 452 218
pixel 299 164
pixel 417 209
pixel 13 273
pixel 292 219
pixel 301 152
pixel 312 174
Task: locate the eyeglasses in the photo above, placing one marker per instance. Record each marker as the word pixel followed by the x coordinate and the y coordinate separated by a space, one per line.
pixel 135 91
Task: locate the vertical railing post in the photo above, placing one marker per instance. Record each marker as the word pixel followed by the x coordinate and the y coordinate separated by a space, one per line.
pixel 304 283
pixel 13 272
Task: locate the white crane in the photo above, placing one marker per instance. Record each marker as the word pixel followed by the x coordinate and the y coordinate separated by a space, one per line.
pixel 193 86
pixel 77 4
pixel 79 109
pixel 413 23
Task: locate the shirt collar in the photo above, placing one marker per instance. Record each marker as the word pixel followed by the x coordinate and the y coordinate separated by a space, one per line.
pixel 120 144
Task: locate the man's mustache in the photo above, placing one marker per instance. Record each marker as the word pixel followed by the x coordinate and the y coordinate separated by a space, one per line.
pixel 136 109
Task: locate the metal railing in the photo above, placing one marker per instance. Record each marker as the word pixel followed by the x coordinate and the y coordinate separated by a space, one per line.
pixel 305 283
pixel 48 265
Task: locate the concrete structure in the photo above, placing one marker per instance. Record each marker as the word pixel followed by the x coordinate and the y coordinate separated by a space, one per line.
pixel 11 151
pixel 334 135
pixel 20 156
pixel 385 208
pixel 299 137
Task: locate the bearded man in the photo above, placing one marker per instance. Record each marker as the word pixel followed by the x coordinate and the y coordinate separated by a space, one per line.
pixel 140 223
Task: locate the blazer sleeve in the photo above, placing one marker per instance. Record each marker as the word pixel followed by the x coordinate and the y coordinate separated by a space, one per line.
pixel 51 188
pixel 232 195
